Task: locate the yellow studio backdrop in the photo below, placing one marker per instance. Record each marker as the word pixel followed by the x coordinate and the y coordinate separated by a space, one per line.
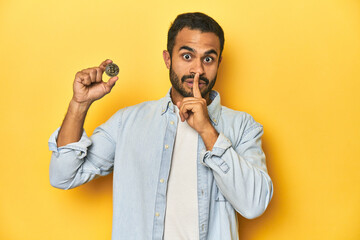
pixel 293 65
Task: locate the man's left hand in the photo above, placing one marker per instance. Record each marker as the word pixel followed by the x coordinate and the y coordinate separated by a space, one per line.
pixel 194 111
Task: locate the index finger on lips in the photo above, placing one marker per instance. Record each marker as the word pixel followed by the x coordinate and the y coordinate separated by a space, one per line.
pixel 196 90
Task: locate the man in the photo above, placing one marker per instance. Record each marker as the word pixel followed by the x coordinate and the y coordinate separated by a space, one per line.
pixel 183 164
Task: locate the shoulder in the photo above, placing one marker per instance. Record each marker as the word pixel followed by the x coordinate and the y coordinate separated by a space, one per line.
pixel 238 117
pixel 239 125
pixel 144 107
pixel 229 117
pixel 139 110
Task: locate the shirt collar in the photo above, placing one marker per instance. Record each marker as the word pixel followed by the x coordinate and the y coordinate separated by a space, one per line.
pixel 167 104
pixel 214 108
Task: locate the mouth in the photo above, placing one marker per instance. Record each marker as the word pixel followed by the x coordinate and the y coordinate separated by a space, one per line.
pixel 190 82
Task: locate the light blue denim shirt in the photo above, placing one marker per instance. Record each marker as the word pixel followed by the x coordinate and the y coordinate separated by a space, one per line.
pixel 137 144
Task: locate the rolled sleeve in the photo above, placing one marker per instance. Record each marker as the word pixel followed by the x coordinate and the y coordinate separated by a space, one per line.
pixel 80 162
pixel 240 171
pixel 81 146
pixel 213 158
pixel 67 162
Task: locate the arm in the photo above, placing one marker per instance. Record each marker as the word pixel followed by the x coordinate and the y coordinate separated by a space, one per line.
pixel 77 159
pixel 240 171
pixel 79 162
pixel 88 87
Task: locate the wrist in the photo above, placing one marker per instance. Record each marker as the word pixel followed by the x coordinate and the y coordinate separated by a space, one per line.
pixel 78 108
pixel 209 137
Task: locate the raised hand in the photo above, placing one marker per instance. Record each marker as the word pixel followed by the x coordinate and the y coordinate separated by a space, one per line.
pixel 88 84
pixel 194 109
pixel 88 87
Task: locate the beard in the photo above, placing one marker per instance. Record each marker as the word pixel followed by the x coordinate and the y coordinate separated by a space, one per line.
pixel 178 85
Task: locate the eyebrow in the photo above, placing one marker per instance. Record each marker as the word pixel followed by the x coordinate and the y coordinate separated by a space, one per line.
pixel 211 51
pixel 187 48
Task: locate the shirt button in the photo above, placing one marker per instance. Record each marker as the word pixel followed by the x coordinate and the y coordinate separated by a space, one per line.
pixel 202 227
pixel 172 122
pixel 166 146
pixel 202 192
pixel 214 120
pixel 157 214
pixel 161 180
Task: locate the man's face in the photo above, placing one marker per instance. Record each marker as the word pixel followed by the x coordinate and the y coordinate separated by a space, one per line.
pixel 194 52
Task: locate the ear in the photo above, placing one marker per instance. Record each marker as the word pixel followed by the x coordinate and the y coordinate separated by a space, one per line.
pixel 167 58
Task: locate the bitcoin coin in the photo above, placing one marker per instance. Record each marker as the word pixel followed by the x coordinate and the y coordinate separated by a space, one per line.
pixel 112 70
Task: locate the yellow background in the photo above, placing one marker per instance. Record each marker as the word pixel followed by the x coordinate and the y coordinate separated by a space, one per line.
pixel 293 65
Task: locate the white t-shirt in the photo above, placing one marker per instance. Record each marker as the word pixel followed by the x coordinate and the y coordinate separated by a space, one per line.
pixel 181 218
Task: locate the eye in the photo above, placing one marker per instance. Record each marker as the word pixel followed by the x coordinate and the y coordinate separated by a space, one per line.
pixel 187 56
pixel 208 59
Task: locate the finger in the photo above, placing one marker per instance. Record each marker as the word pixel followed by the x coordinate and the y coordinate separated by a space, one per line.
pixel 95 74
pixel 193 105
pixel 78 77
pixel 187 108
pixel 194 100
pixel 185 99
pixel 186 115
pixel 178 104
pixel 92 74
pixel 85 79
pixel 99 73
pixel 183 114
pixel 196 90
pixel 102 66
pixel 111 83
pixel 89 71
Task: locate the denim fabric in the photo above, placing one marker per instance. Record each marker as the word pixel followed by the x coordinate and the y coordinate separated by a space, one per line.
pixel 137 142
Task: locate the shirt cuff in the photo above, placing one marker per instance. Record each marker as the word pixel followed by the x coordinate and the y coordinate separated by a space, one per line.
pixel 213 157
pixel 80 146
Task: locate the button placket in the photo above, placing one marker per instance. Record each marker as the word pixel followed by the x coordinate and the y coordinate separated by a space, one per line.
pixel 160 204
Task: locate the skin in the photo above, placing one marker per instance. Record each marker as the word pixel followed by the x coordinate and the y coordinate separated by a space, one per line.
pixel 88 87
pixel 195 54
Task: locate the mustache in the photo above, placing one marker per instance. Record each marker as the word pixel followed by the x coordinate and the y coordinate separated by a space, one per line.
pixel 192 76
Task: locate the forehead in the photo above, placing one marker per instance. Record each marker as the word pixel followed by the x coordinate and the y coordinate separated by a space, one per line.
pixel 200 41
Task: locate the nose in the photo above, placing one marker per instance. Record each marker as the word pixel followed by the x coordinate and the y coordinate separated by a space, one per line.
pixel 197 67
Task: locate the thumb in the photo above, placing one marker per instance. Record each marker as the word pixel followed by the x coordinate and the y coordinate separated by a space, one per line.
pixel 110 84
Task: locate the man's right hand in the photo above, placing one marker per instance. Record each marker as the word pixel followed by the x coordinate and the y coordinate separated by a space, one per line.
pixel 89 86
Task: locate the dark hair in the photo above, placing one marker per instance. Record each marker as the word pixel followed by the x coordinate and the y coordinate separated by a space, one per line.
pixel 194 21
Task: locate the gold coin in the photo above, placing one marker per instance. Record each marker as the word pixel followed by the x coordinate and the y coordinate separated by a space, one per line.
pixel 112 69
